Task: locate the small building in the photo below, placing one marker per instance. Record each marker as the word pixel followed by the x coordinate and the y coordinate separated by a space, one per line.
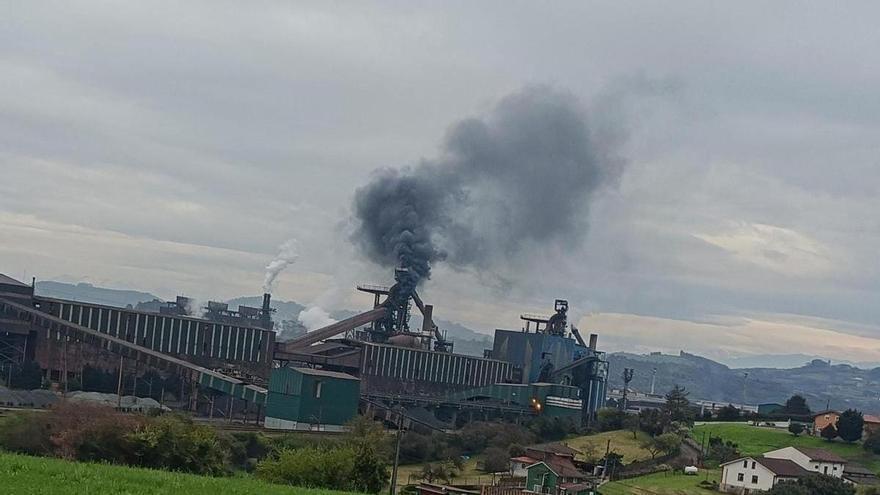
pixel 310 399
pixel 749 475
pixel 557 476
pixel 872 424
pixel 822 419
pixel 769 408
pixel 816 460
pixel 519 465
pixel 860 475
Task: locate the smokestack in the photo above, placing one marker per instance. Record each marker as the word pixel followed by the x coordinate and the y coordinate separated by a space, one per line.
pixel 266 313
pixel 593 338
pixel 428 319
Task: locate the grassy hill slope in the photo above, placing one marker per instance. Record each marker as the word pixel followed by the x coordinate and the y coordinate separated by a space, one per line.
pixel 24 475
pixel 661 484
pixel 754 441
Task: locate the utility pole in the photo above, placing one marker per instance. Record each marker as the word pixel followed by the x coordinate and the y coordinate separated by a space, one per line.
pixel 653 378
pixel 396 451
pixel 607 451
pixel 119 385
pixel 627 377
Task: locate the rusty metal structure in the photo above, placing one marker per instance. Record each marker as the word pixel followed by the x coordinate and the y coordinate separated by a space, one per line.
pixel 231 352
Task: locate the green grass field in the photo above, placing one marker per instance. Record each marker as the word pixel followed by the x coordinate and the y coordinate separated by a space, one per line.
pixel 24 475
pixel 622 442
pixel 754 440
pixel 661 484
pixel 408 474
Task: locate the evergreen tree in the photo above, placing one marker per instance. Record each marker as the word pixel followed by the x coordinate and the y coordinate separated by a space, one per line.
pixel 678 407
pixel 728 413
pixel 850 425
pixel 795 428
pixel 796 405
pixel 829 432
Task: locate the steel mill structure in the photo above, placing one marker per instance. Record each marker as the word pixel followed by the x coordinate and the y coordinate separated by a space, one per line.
pixel 224 359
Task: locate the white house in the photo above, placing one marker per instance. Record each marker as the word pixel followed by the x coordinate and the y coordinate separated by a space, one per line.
pixel 816 460
pixel 757 474
pixel 519 464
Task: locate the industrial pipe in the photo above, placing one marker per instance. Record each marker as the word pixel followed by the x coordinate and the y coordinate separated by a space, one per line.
pixel 335 329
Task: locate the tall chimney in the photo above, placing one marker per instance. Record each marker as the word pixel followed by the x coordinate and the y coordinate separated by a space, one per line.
pixel 266 314
pixel 593 338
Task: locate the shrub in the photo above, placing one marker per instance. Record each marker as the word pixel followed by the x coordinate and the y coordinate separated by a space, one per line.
pixel 815 484
pixel 26 433
pixel 609 419
pixel 729 413
pixel 495 460
pixel 173 442
pixel 340 468
pixel 91 432
pixel 872 443
pixel 829 432
pixel 795 428
pixel 722 451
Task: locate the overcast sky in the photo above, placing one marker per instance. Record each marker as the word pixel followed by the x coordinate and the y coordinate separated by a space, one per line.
pixel 173 146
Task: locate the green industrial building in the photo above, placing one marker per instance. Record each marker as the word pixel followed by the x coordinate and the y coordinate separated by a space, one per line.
pixel 309 399
pixel 548 399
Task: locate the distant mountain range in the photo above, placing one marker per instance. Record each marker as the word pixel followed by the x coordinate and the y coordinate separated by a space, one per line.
pixel 770 378
pixel 783 361
pixel 86 292
pixel 839 386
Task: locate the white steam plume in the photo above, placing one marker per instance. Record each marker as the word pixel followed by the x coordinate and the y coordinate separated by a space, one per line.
pixel 314 318
pixel 287 254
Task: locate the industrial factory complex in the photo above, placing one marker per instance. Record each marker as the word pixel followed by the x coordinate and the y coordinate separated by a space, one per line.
pixel 374 362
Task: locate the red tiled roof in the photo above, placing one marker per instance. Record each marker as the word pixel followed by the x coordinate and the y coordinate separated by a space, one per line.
pixel 822 413
pixel 870 418
pixel 524 459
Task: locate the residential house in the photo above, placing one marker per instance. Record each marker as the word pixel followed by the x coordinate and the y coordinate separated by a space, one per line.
pixel 519 465
pixel 815 460
pixel 757 474
pixel 546 450
pixel 872 424
pixel 557 476
pixel 822 419
pixel 541 452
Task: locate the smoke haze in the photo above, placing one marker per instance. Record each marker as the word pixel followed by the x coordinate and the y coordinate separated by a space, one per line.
pixel 287 254
pixel 519 178
pixel 315 317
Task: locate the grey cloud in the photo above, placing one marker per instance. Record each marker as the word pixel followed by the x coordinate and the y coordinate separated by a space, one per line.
pixel 222 125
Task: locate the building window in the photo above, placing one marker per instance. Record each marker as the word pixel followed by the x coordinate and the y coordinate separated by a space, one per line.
pixel 834 468
pixel 755 479
pixel 740 477
pixel 753 464
pixel 318 386
pixel 745 464
pixel 826 469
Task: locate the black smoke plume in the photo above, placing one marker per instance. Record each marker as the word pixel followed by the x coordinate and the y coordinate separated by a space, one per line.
pixel 517 179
